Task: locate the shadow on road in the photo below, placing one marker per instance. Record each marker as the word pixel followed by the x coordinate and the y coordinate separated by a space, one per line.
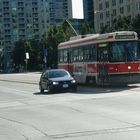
pixel 106 89
pixel 84 89
pixel 46 93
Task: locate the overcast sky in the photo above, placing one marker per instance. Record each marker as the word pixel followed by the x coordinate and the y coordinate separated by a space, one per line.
pixel 77 9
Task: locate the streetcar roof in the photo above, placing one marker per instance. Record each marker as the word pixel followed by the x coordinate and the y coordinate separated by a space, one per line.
pixel 97 38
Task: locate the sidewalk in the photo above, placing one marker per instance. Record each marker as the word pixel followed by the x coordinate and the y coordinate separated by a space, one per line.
pixel 29 77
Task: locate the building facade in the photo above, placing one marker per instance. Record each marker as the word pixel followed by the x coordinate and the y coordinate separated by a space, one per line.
pixel 106 10
pixel 58 11
pixel 19 19
pixel 26 19
pixel 88 10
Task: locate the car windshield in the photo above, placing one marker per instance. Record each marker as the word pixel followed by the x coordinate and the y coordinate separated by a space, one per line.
pixel 58 73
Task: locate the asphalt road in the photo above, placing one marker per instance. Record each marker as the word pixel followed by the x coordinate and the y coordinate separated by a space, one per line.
pixel 93 113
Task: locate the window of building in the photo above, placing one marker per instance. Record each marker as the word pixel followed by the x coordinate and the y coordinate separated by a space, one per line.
pixel 114 12
pixel 138 6
pixel 121 10
pixel 107 4
pixel 121 1
pixel 107 14
pixel 128 8
pixel 108 23
pixel 113 2
pixel 100 6
pixel 101 25
pixel 101 15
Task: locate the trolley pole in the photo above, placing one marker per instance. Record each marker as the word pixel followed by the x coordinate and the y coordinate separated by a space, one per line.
pixel 72 27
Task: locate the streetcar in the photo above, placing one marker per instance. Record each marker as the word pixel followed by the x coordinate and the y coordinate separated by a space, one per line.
pixel 102 59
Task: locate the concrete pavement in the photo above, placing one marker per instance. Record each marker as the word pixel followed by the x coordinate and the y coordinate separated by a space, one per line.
pixel 29 77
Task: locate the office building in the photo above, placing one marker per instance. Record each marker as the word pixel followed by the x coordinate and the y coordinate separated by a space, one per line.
pixel 26 19
pixel 107 10
pixel 58 11
pixel 88 10
pixel 19 19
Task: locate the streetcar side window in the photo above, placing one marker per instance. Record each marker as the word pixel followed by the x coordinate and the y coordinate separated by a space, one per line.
pixel 117 52
pixel 75 54
pixel 65 57
pixel 90 53
pixel 81 54
pixel 60 56
pixel 93 53
pixel 78 54
pixel 86 53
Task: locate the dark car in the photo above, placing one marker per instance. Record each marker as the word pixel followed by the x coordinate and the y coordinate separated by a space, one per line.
pixel 55 80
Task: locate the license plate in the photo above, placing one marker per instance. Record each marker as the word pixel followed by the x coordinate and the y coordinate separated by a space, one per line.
pixel 65 85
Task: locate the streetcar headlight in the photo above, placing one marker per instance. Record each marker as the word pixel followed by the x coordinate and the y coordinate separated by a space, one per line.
pixel 129 67
pixel 139 67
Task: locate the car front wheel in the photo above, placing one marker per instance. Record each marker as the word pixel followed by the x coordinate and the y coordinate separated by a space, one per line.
pixel 50 89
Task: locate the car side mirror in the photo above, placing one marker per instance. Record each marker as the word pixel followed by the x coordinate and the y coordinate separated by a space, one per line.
pixel 44 78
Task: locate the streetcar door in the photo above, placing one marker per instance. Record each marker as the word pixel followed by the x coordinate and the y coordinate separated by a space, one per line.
pixel 103 58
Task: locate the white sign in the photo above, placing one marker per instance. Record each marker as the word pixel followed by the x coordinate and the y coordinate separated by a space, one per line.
pixel 77 9
pixel 27 55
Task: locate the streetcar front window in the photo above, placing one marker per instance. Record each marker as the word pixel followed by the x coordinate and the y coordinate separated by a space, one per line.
pixel 124 51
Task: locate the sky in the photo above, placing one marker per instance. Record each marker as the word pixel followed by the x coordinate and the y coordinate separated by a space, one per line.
pixel 77 9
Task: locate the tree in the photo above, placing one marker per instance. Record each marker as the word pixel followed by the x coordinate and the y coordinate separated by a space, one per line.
pixel 118 24
pixel 33 48
pixel 136 24
pixel 18 54
pixel 54 37
pixel 86 28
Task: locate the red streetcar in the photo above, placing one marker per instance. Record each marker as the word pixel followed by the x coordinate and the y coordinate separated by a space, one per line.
pixel 112 58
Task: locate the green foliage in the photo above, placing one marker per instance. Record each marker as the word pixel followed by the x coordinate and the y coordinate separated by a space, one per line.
pixel 34 49
pixel 136 24
pixel 123 23
pixel 18 54
pixel 54 37
pixel 86 28
pixel 119 24
pixel 19 51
